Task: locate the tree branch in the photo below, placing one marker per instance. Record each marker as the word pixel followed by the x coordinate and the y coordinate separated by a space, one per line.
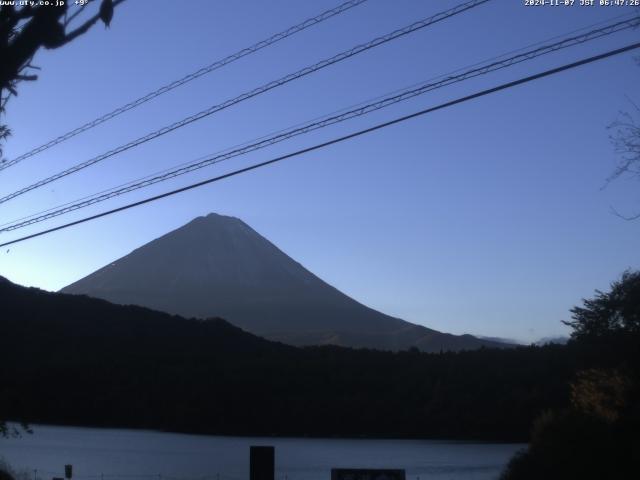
pixel 84 28
pixel 78 12
pixel 624 217
pixel 28 78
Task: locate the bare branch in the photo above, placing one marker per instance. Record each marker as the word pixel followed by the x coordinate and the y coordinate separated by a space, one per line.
pixel 624 217
pixel 626 142
pixel 84 28
pixel 72 17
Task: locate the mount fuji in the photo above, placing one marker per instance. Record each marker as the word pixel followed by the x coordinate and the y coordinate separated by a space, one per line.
pixel 218 266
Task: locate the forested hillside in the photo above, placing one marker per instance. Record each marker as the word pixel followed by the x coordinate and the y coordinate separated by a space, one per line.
pixel 76 360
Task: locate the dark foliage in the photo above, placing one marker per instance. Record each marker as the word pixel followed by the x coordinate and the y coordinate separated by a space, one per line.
pixel 4 475
pixel 76 360
pixel 609 314
pixel 571 445
pixel 582 444
pixel 596 435
pixel 25 29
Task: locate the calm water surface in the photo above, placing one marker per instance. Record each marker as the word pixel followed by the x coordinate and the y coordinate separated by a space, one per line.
pixel 139 455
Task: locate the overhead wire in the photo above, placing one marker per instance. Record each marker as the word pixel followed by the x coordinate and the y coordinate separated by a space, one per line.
pixel 257 91
pixel 344 109
pixel 322 122
pixel 186 79
pixel 337 140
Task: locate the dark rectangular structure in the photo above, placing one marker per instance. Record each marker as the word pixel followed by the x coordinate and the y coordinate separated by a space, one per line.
pixel 261 463
pixel 367 474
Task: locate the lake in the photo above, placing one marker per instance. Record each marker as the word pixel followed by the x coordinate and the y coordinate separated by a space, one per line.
pixel 114 454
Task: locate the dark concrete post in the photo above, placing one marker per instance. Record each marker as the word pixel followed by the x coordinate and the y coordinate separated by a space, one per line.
pixel 261 463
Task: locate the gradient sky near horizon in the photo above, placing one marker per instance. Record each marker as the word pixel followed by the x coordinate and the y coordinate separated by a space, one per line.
pixel 488 218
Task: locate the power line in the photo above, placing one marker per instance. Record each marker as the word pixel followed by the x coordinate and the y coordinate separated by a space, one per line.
pixel 323 122
pixel 342 110
pixel 257 91
pixel 319 146
pixel 188 78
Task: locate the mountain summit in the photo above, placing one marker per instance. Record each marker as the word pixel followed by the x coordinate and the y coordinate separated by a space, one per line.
pixel 218 266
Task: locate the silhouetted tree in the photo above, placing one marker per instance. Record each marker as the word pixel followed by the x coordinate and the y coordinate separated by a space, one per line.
pixel 592 439
pixel 23 31
pixel 608 314
pixel 26 29
pixel 595 436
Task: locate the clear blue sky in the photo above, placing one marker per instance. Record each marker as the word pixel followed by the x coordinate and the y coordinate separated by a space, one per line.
pixel 487 218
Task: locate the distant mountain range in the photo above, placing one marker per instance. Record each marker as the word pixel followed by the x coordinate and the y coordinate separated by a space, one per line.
pixel 557 340
pixel 218 266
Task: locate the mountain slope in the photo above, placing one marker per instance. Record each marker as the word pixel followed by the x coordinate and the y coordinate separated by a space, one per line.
pixel 219 266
